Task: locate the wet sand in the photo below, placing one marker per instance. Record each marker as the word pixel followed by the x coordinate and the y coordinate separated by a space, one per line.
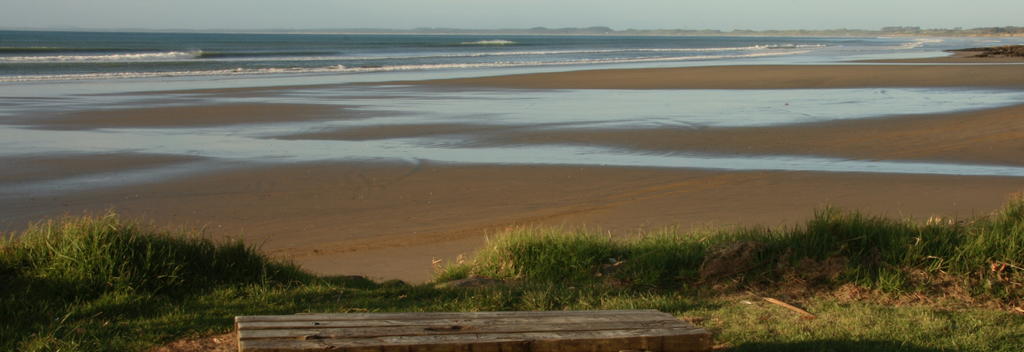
pixel 35 168
pixel 990 136
pixel 184 116
pixel 388 220
pixel 760 77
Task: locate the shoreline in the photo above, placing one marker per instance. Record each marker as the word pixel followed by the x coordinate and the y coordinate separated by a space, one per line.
pixel 984 136
pixel 390 220
pixel 932 75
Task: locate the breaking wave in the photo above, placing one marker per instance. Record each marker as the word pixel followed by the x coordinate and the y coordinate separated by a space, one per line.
pixel 263 54
pixel 161 56
pixel 598 51
pixel 491 42
pixel 919 42
pixel 333 55
pixel 367 69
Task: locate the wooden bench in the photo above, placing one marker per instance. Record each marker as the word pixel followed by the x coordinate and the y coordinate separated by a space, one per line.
pixel 591 331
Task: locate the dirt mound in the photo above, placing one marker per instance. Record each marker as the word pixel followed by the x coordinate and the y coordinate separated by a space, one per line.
pixel 217 343
pixel 730 260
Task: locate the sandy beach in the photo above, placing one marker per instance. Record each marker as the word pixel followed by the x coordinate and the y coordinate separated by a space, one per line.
pixel 763 77
pixel 390 219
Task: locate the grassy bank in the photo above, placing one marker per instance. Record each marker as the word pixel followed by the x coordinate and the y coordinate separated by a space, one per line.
pixel 873 283
pixel 978 261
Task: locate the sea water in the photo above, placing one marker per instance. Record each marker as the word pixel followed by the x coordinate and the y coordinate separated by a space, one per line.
pixel 47 56
pixel 46 72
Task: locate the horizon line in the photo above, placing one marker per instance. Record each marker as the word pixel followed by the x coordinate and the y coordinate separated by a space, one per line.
pixel 537 29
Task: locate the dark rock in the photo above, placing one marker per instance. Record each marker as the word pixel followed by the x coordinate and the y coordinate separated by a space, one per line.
pixel 997 51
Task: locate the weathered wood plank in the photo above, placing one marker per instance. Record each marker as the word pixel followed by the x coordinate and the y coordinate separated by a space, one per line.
pixel 436 315
pixel 561 331
pixel 597 341
pixel 256 325
pixel 356 332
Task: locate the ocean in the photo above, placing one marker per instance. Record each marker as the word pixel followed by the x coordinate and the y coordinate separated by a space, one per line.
pixel 326 130
pixel 27 56
pixel 86 94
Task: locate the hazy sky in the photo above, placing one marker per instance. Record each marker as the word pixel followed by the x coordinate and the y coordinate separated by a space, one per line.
pixel 403 14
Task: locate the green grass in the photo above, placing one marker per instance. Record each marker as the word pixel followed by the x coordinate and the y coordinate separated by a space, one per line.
pixel 980 259
pixel 103 284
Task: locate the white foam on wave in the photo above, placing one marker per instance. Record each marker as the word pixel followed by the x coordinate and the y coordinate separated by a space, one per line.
pixel 608 51
pixel 790 46
pixel 593 51
pixel 346 69
pixel 161 56
pixel 511 53
pixel 198 55
pixel 919 42
pixel 564 63
pixel 490 42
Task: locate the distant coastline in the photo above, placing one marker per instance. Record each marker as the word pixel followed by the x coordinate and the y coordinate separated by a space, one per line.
pixel 1008 31
pixel 894 31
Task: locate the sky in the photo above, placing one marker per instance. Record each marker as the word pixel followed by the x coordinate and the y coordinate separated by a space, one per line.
pixel 494 14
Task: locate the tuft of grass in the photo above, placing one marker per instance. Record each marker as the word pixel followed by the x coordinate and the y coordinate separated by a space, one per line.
pixel 94 255
pixel 56 269
pixel 542 255
pixel 979 259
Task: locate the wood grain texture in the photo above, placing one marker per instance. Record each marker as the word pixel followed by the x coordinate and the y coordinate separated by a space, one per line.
pixel 566 331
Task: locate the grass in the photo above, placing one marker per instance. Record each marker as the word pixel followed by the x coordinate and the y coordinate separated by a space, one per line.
pixel 980 260
pixel 104 284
